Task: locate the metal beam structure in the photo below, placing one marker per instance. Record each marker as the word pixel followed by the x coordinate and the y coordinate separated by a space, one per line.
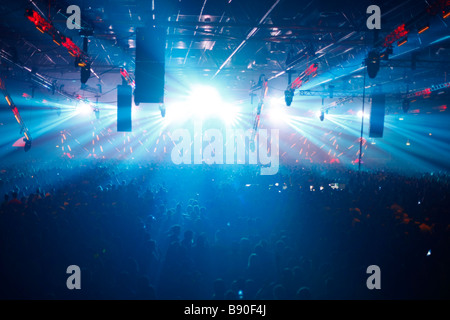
pixel 15 110
pixel 327 94
pixel 427 91
pixel 249 35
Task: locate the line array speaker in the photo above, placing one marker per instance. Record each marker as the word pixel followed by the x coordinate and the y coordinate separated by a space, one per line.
pixel 377 113
pixel 124 105
pixel 150 65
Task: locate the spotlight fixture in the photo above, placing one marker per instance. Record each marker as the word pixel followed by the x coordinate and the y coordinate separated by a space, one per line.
pixel 85 73
pixel 27 146
pixel 97 113
pixel 322 115
pixel 402 41
pixel 387 53
pixel 288 96
pixel 373 63
pixel 85 63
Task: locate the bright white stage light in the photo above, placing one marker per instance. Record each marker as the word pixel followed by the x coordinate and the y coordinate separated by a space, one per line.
pixel 277 102
pixel 277 114
pixel 83 108
pixel 360 114
pixel 229 113
pixel 276 109
pixel 204 101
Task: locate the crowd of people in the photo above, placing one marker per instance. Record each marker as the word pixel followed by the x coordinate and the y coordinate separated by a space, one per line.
pixel 155 231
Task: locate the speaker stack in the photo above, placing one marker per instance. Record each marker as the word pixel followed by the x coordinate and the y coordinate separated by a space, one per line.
pixel 124 105
pixel 150 65
pixel 377 113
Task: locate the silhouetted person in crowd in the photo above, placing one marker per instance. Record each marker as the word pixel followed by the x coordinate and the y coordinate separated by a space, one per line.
pixel 303 293
pixel 219 289
pixel 14 202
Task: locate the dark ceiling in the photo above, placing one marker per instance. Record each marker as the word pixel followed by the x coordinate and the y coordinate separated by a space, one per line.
pixel 230 41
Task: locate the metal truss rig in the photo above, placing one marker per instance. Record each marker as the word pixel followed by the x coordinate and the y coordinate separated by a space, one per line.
pixel 82 59
pixel 326 94
pixel 128 77
pixel 15 110
pixel 400 33
pixel 263 86
pixel 301 79
pixel 427 91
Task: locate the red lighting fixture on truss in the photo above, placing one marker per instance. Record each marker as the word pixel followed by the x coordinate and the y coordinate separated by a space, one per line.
pixel 15 110
pixel 423 29
pixel 399 33
pixel 127 77
pixel 402 41
pixel 302 78
pixel 263 85
pixel 81 58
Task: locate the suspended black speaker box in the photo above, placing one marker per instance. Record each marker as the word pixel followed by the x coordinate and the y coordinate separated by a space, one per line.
pixel 377 112
pixel 124 105
pixel 150 65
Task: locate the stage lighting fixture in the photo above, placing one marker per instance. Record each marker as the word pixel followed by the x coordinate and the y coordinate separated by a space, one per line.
pixel 204 101
pixel 288 96
pixel 423 28
pixel 85 73
pixel 228 113
pixel 97 113
pixel 83 108
pixel 27 144
pixel 58 111
pixel 322 116
pixel 162 109
pixel 387 53
pixel 373 63
pixel 277 113
pixel 361 114
pixel 402 41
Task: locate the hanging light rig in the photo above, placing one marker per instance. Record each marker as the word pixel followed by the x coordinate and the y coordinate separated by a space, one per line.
pixel 127 77
pixel 262 85
pixel 302 78
pixel 82 59
pixel 384 48
pixel 15 110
